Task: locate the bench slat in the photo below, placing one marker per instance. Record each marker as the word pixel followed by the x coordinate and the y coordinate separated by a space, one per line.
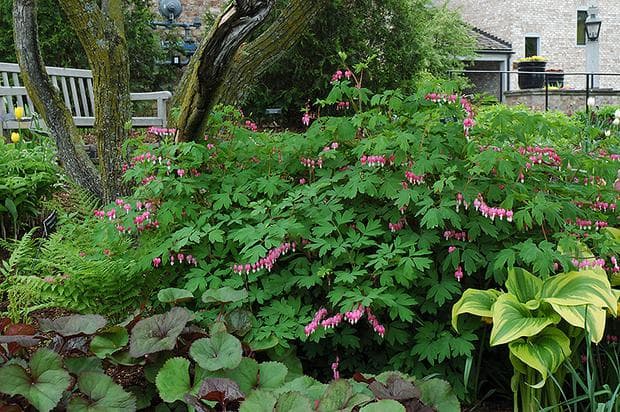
pixel 76 102
pixel 91 94
pixel 83 96
pixel 65 93
pixel 5 80
pixel 20 100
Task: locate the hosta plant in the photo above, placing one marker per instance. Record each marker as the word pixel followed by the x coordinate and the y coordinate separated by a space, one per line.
pixel 539 320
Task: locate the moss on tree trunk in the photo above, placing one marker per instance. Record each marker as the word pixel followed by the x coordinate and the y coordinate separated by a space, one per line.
pixel 47 101
pixel 103 40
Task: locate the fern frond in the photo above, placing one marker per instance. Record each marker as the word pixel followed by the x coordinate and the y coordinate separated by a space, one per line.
pixel 22 253
pixel 83 201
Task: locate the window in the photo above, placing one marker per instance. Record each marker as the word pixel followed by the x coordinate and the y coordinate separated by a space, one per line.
pixel 532 44
pixel 582 15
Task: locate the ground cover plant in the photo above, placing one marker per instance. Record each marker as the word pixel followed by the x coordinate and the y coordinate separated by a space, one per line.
pixel 180 365
pixel 346 244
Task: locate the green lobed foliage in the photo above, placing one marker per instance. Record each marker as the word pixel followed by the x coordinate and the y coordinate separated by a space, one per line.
pixel 367 238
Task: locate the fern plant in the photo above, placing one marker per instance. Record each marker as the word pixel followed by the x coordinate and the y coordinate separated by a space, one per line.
pixel 20 289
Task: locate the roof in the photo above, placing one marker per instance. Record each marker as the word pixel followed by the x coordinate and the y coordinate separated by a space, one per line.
pixel 486 42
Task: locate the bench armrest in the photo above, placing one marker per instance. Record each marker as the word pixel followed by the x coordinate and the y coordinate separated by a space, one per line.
pixel 161 97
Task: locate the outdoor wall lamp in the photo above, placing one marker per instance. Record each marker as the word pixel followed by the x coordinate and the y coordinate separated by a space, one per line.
pixel 593 27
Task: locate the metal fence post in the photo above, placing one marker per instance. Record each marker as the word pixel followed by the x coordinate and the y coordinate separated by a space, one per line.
pixel 546 93
pixel 501 87
pixel 587 92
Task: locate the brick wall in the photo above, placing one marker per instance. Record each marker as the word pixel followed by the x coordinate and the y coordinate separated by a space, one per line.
pixel 555 21
pixel 567 101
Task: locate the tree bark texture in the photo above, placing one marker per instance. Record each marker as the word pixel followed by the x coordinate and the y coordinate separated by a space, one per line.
pixel 47 100
pixel 254 58
pixel 211 62
pixel 106 48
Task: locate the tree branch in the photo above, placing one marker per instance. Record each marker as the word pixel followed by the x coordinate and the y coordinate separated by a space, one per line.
pixel 211 61
pixel 253 59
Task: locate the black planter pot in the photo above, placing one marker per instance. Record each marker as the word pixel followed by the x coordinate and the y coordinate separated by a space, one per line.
pixel 531 80
pixel 555 79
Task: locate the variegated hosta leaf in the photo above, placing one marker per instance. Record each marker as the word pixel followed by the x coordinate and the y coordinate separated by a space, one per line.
pixel 587 317
pixel 544 352
pixel 523 284
pixel 474 301
pixel 586 287
pixel 512 319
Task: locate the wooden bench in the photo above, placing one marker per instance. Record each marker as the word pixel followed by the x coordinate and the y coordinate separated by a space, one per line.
pixel 76 88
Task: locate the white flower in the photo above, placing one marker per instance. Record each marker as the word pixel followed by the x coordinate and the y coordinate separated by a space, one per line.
pixel 617 114
pixel 616 121
pixel 591 102
pixel 607 133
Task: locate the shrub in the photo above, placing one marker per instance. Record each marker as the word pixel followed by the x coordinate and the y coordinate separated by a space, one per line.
pixel 382 215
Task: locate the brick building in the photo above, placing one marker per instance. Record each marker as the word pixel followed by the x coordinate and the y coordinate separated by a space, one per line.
pixel 550 28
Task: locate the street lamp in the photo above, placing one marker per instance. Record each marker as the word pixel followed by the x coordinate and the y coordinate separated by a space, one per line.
pixel 170 11
pixel 593 27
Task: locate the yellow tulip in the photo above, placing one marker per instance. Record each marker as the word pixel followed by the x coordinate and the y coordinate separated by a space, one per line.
pixel 19 112
pixel 15 137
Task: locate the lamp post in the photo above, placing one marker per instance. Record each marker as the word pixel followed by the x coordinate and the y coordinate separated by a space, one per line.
pixel 593 30
pixel 170 11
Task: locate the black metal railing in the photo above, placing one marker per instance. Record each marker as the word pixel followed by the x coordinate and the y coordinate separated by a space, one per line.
pixel 590 89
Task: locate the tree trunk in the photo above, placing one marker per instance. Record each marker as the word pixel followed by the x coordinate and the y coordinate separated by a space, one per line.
pixel 47 100
pixel 253 59
pixel 211 61
pixel 103 40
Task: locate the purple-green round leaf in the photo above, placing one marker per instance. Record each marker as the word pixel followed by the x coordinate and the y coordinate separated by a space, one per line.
pixel 173 380
pixel 109 341
pixel 101 394
pixel 259 401
pixel 224 295
pixel 385 405
pixel 43 385
pixel 220 351
pixel 73 325
pixel 174 295
pixel 159 332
